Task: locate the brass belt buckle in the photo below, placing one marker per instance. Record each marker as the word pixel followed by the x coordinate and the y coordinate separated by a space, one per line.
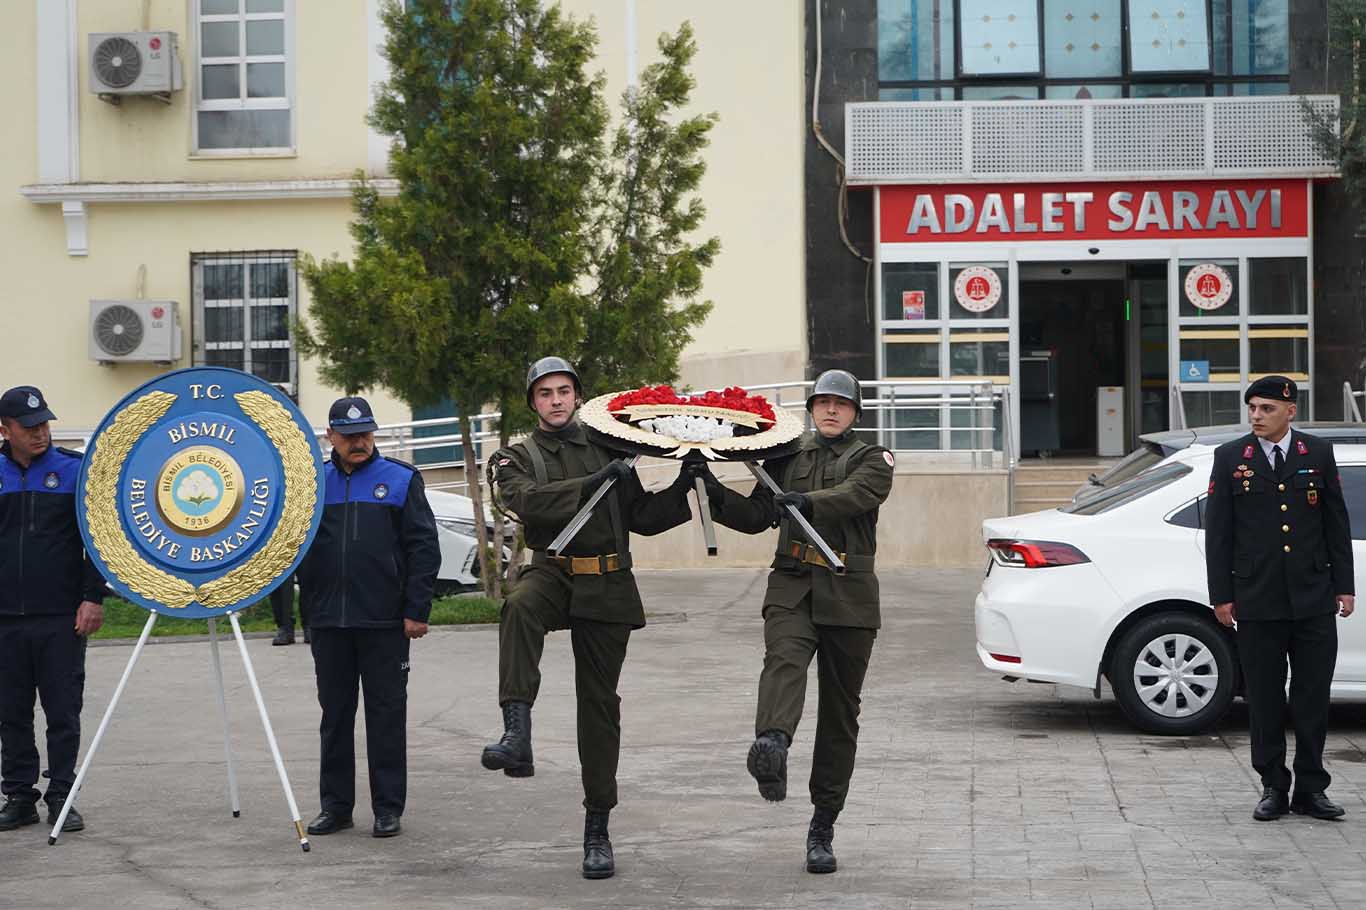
pixel 585 565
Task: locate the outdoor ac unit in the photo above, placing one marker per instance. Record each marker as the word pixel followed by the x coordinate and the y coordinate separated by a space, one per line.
pixel 134 330
pixel 134 63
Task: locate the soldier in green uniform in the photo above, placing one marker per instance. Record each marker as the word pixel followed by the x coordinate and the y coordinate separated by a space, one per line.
pixel 590 590
pixel 837 482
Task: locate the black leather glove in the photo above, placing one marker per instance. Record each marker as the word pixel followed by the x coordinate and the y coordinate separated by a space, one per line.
pixel 616 470
pixel 800 501
pixel 692 470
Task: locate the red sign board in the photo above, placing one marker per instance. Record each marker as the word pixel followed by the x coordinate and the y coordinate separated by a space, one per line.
pixel 1094 211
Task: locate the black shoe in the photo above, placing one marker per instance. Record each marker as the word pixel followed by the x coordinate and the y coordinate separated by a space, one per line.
pixel 307 638
pixel 386 826
pixel 330 823
pixel 73 822
pixel 597 847
pixel 1316 804
pixel 820 854
pixel 283 637
pixel 512 753
pixel 768 764
pixel 1272 805
pixel 16 813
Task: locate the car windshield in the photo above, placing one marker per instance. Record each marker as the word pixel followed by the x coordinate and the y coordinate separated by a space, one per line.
pixel 1129 490
pixel 1133 464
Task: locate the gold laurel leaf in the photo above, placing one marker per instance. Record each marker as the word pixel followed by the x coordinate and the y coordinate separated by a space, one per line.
pixel 107 534
pixel 301 499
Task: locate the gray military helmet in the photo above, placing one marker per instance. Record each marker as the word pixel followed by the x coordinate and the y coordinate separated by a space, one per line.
pixel 544 367
pixel 837 382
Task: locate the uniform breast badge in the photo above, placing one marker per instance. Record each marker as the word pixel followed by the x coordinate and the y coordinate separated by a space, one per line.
pixel 198 496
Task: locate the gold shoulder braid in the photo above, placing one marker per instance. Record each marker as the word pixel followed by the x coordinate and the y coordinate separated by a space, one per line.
pixel 102 505
pixel 301 496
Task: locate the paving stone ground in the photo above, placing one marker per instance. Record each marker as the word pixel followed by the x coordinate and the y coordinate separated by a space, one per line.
pixel 969 793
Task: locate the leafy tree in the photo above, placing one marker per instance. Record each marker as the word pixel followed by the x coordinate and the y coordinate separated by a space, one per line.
pixel 1346 142
pixel 516 232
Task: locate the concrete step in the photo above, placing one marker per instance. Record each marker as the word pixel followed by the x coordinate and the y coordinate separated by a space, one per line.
pixel 1024 505
pixel 1073 474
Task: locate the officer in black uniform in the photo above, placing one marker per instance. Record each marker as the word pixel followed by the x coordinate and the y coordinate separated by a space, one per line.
pixel 366 587
pixel 50 600
pixel 1278 550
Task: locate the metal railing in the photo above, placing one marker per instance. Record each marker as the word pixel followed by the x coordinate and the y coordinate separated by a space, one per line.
pixel 1351 412
pixel 1178 408
pixel 954 424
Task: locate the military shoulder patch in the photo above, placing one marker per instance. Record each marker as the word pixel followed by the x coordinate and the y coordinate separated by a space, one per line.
pixel 889 458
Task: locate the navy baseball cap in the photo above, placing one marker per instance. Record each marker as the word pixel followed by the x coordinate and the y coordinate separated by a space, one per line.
pixel 350 416
pixel 25 404
pixel 1277 388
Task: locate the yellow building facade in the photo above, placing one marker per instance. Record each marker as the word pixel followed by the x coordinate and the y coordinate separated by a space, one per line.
pixel 204 196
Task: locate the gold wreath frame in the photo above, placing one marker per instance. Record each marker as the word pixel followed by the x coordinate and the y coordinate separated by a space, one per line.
pixel 112 543
pixel 785 429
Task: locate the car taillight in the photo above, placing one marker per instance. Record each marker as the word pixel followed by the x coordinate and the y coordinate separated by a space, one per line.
pixel 1035 554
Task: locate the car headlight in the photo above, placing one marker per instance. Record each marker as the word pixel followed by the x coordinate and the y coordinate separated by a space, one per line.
pixel 456 526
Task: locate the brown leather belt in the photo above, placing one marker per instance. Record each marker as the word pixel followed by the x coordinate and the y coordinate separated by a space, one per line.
pixel 583 565
pixel 805 552
pixel 809 555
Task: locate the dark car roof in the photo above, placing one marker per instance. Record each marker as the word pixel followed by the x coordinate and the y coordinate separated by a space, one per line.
pixel 1174 440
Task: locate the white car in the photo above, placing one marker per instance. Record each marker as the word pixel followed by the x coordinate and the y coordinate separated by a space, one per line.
pixel 1114 586
pixel 455 532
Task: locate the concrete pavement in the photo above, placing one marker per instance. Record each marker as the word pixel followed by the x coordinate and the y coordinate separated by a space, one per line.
pixel 969 792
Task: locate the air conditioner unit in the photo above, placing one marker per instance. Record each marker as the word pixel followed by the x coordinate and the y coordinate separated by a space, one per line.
pixel 134 63
pixel 134 330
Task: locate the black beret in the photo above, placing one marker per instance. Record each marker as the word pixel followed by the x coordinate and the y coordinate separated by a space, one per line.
pixel 1278 388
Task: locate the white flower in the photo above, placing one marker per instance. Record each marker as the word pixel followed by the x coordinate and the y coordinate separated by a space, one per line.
pixel 690 427
pixel 197 487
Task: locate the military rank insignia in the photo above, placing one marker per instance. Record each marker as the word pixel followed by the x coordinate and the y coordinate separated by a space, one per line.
pixel 1313 497
pixel 1300 447
pixel 1247 451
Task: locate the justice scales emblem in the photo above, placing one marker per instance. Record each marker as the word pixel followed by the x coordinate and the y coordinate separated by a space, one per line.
pixel 199 494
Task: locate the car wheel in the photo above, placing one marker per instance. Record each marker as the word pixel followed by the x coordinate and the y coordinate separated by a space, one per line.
pixel 1173 674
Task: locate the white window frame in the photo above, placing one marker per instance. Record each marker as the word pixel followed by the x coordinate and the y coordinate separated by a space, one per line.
pixel 245 303
pixel 243 103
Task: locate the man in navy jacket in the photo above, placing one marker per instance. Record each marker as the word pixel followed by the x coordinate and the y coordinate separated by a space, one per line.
pixel 366 586
pixel 50 600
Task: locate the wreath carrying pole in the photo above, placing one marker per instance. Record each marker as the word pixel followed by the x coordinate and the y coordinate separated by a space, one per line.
pixel 581 518
pixel 704 514
pixel 831 558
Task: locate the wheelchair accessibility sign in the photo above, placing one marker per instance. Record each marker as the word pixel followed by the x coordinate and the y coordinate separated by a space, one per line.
pixel 1195 371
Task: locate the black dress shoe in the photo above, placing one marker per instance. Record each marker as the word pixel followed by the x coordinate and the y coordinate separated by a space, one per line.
pixel 16 813
pixel 598 861
pixel 307 638
pixel 820 852
pixel 767 764
pixel 1273 804
pixel 73 822
pixel 1316 804
pixel 283 637
pixel 386 826
pixel 330 823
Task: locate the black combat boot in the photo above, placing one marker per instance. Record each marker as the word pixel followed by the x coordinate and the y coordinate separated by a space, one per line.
pixel 820 855
pixel 597 847
pixel 512 753
pixel 768 764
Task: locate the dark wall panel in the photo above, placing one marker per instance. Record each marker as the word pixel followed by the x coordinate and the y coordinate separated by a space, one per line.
pixel 839 286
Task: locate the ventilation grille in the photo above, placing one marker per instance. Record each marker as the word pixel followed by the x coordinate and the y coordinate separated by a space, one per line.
pixel 118 330
pixel 117 62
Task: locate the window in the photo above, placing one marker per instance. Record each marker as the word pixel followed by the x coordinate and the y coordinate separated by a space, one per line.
pixel 242 95
pixel 984 50
pixel 1130 490
pixel 1189 516
pixel 1354 492
pixel 244 307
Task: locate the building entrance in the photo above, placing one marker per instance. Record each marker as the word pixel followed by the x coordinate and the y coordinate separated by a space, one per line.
pixel 1093 356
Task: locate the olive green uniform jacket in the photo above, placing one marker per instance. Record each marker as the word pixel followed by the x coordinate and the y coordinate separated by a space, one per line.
pixel 545 507
pixel 844 513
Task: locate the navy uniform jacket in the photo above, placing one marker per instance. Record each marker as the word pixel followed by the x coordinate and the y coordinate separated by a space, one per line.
pixel 375 558
pixel 43 566
pixel 1277 546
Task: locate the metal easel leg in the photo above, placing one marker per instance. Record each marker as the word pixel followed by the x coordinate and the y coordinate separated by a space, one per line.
pixel 99 733
pixel 270 733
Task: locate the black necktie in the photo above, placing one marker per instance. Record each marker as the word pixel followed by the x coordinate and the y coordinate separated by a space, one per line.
pixel 1280 460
